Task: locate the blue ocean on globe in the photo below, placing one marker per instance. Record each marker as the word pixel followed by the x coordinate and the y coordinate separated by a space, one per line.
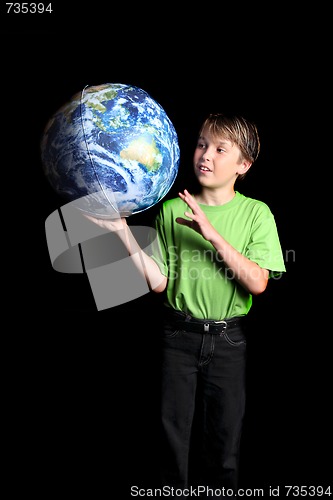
pixel 112 146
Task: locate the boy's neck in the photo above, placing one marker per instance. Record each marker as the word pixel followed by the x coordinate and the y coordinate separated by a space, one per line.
pixel 215 197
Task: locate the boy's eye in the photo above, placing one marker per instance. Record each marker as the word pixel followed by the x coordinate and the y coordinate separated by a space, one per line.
pixel 200 145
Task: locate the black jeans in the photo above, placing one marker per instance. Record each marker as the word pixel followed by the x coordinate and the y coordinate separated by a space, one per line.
pixel 205 373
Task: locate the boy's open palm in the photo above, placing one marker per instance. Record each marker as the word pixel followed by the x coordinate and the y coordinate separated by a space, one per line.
pixel 198 220
pixel 114 224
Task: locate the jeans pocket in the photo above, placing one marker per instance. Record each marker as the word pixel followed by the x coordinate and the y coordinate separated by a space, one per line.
pixel 235 337
pixel 170 331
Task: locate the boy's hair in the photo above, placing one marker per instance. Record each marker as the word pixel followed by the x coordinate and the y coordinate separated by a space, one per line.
pixel 238 130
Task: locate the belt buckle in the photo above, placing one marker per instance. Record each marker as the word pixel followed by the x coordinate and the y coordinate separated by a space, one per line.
pixel 222 323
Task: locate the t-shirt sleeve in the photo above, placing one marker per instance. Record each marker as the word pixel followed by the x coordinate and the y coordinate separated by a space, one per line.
pixel 264 247
pixel 157 247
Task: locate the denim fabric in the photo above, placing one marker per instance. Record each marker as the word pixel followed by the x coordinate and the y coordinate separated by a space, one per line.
pixel 202 374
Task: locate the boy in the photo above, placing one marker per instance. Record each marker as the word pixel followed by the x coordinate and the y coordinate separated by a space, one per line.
pixel 216 249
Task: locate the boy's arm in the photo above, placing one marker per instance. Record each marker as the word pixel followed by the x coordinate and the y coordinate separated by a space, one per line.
pixel 251 276
pixel 146 265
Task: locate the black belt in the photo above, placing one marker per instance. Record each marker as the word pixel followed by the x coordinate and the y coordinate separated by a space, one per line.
pixel 186 322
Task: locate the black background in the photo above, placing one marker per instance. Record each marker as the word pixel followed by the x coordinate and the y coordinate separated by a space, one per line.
pixel 81 386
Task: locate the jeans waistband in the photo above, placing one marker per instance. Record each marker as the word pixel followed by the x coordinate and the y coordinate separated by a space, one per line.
pixel 186 322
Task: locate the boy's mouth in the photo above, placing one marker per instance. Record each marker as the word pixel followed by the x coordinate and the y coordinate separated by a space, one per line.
pixel 202 168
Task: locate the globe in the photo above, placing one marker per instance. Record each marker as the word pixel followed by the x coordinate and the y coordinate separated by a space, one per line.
pixel 112 148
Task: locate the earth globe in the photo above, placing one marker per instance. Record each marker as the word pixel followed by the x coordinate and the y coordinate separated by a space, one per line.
pixel 112 148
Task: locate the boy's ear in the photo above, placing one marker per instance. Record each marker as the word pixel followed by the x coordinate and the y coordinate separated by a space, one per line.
pixel 244 167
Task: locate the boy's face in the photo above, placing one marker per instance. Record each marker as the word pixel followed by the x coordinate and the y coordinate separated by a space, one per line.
pixel 217 162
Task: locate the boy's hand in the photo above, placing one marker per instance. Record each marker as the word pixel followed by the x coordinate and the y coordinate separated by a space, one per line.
pixel 110 224
pixel 198 220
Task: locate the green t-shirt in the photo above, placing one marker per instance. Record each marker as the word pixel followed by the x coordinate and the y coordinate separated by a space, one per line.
pixel 198 282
